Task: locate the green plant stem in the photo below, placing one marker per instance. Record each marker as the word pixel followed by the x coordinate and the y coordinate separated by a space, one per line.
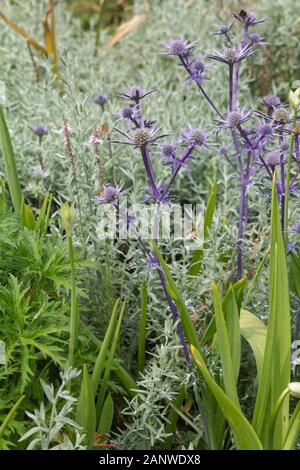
pixel 10 415
pixel 277 409
pixel 287 183
pixel 74 310
pixel 142 335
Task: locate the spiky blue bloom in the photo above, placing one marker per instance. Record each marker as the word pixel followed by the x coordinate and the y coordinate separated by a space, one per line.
pixel 235 119
pixel 107 193
pixel 232 55
pixel 40 129
pixel 101 99
pixel 179 48
pixel 194 137
pixel 248 18
pixel 134 93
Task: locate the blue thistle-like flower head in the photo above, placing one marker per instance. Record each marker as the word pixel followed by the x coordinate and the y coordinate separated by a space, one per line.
pixel 235 119
pixel 248 18
pixel 126 113
pixel 223 30
pixel 135 93
pixel 265 131
pixel 168 152
pixel 141 136
pixel 107 193
pixel 281 116
pixel 194 137
pixel 197 69
pixel 101 99
pixel 40 129
pixel 256 39
pixel 271 101
pixel 232 55
pixel 272 159
pixel 179 48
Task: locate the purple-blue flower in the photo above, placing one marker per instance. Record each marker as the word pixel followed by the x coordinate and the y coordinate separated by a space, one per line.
pixel 247 18
pixel 194 136
pixel 107 193
pixel 179 48
pixel 232 55
pixel 135 93
pixel 235 119
pixel 101 99
pixel 40 129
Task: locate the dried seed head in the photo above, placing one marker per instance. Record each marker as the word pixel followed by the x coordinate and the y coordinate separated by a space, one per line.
pixel 281 116
pixel 141 136
pixel 231 55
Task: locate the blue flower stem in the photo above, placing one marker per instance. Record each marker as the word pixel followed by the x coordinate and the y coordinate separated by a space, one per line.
pixel 182 161
pixel 237 69
pixel 230 101
pixel 282 180
pixel 210 102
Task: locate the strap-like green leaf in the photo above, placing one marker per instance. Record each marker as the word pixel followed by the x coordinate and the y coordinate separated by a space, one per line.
pixel 255 332
pixel 10 163
pixel 244 435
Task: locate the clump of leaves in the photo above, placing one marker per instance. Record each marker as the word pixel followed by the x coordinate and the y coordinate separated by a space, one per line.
pixel 54 429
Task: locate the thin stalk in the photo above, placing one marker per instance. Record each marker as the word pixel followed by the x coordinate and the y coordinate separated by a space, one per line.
pixel 284 194
pixel 287 183
pixel 74 309
pixel 36 67
pixel 182 161
pixel 230 101
pixel 142 329
pixel 210 102
pixel 237 69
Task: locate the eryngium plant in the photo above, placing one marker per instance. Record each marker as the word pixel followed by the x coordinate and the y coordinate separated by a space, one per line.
pixel 258 137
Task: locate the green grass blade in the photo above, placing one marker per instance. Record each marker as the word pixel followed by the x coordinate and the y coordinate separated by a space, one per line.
pixel 255 332
pixel 224 348
pixel 109 363
pixel 231 316
pixel 173 418
pixel 27 217
pixel 125 378
pixel 142 331
pixel 208 218
pixel 107 416
pixel 10 163
pixel 100 361
pixel 244 434
pixel 256 276
pixel 293 429
pixel 86 411
pixel 238 289
pixel 8 418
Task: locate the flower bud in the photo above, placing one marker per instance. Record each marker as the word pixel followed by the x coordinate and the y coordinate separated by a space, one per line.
pixel 294 99
pixel 68 217
pixel 294 388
